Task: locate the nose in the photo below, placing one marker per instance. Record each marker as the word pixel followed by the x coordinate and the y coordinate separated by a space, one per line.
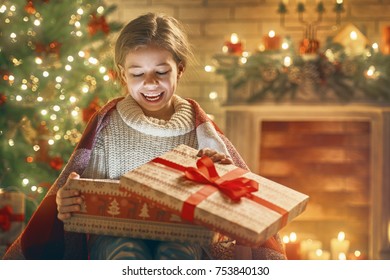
pixel 151 80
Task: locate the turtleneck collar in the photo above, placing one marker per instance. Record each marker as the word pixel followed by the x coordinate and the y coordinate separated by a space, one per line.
pixel 181 122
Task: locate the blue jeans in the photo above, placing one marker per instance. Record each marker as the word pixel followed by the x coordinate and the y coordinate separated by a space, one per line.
pixel 123 248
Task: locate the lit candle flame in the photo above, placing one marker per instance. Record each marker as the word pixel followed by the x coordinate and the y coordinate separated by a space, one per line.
pixel 271 33
pixel 234 38
pixel 341 236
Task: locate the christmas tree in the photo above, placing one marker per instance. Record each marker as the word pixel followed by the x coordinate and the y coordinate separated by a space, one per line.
pixel 56 70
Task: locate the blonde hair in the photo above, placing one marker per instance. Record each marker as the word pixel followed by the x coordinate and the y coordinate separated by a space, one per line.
pixel 153 29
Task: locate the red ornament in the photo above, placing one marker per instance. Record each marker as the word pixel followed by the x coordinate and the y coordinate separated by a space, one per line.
pixel 92 108
pixel 98 23
pixel 3 99
pixel 56 163
pixel 29 8
pixel 53 48
pixel 309 46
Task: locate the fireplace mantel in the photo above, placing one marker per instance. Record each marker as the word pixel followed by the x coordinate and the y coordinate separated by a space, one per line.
pixel 243 124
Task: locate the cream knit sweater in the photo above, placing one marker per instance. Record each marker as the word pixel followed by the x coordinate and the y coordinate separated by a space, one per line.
pixel 132 139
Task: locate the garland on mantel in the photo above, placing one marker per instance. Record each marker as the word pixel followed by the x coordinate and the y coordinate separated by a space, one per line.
pixel 328 76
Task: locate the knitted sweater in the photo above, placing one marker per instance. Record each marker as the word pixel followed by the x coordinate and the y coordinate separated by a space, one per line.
pixel 131 139
pixel 44 236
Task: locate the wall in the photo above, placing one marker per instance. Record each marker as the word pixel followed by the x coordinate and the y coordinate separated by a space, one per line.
pixel 210 23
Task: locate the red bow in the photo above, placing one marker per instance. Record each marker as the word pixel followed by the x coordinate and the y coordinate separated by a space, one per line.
pixel 207 174
pixel 5 218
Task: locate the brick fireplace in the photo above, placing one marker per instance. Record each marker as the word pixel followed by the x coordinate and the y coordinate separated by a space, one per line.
pixel 338 155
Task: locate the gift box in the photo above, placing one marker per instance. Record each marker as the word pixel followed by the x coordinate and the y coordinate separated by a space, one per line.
pixel 12 208
pixel 110 209
pixel 239 204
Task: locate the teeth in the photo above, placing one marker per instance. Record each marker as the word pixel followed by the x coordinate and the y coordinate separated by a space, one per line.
pixel 152 96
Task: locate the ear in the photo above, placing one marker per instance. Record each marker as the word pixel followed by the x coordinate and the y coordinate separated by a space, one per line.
pixel 180 69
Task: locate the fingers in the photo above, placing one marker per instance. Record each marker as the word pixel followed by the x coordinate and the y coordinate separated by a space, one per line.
pixel 215 156
pixel 68 201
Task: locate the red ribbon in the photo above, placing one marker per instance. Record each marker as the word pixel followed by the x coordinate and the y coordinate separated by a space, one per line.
pixel 6 217
pixel 230 184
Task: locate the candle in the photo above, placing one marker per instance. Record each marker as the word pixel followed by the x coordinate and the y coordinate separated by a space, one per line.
pixel 234 46
pixel 309 245
pixel 272 41
pixel 339 7
pixel 386 41
pixel 319 254
pixel 339 246
pixel 292 247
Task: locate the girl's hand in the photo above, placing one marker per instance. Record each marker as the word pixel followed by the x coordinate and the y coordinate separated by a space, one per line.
pixel 215 156
pixel 68 201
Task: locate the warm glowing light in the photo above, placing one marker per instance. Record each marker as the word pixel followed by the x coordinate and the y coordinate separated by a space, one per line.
pixel 70 58
pixel 293 237
pixel 72 99
pixel 85 89
pixel 68 67
pixel 50 142
pixel 287 61
pixel 209 68
pixel 19 98
pixel 58 79
pixel 36 148
pixel 106 78
pixel 339 2
pixel 342 256
pixel 23 87
pixel 375 46
pixel 285 46
pixel 79 33
pixel 357 253
pixel 25 181
pixel 75 113
pixel 271 34
pixel 81 54
pixel 56 108
pixel 92 60
pixel 80 11
pixel 319 252
pixel 33 188
pixel 341 236
pixel 286 239
pixel 45 74
pixel 3 8
pixel 353 35
pixel 371 71
pixel 100 10
pixel 234 38
pixel 102 69
pixel 243 60
pixel 11 142
pixel 38 60
pixel 77 24
pixel 12 35
pixel 213 95
pixel 37 22
pixel 39 98
pixel 44 112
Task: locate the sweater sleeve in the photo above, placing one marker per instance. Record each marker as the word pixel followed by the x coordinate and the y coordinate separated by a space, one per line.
pixel 96 167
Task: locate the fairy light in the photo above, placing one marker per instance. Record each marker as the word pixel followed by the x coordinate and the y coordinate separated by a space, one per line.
pixel 100 10
pixel 11 78
pixel 102 69
pixel 68 67
pixel 75 113
pixel 25 181
pixel 371 71
pixel 11 142
pixel 70 58
pixel 58 79
pixel 243 60
pixel 209 68
pixel 285 46
pixel 79 33
pixel 39 98
pixel 77 24
pixel 92 60
pixel 56 108
pixel 45 74
pixel 13 8
pixel 3 8
pixel 106 78
pixel 72 99
pixel 12 35
pixel 19 98
pixel 50 142
pixel 62 97
pixel 213 95
pixel 81 54
pixel 287 61
pixel 56 128
pixel 37 22
pixel 53 117
pixel 85 89
pixel 38 60
pixel 34 188
pixel 44 112
pixel 25 19
pixel 36 148
pixel 80 11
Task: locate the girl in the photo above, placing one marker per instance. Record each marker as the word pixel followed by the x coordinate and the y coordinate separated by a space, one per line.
pixel 151 54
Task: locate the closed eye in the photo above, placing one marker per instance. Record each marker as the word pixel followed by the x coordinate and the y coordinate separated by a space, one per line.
pixel 137 75
pixel 162 73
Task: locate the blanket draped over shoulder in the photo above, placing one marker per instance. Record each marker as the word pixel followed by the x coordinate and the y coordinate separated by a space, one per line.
pixel 44 236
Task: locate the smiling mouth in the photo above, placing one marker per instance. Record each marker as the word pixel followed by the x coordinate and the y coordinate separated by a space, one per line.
pixel 151 97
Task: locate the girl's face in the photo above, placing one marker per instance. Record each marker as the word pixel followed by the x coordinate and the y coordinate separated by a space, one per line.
pixel 151 76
